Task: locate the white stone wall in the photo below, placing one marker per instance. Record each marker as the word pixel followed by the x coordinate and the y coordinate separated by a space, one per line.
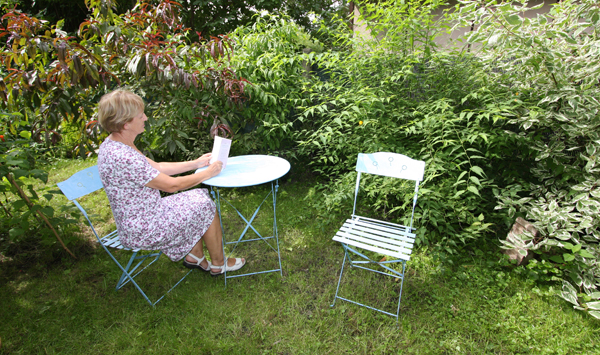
pixel 449 40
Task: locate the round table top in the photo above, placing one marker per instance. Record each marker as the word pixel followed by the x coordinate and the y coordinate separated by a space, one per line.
pixel 249 170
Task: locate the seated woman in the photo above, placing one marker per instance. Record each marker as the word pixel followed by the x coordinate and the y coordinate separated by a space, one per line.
pixel 177 224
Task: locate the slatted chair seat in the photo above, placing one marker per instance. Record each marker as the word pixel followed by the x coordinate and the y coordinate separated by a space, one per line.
pixel 380 237
pixel 113 241
pixel 390 239
pixel 86 182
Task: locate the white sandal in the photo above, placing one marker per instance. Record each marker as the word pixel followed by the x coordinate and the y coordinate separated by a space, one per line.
pixel 197 264
pixel 239 263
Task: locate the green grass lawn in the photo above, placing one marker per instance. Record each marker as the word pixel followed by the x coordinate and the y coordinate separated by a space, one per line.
pixel 474 306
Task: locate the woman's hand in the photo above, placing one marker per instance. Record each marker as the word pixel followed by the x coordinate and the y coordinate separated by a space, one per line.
pixel 215 168
pixel 204 160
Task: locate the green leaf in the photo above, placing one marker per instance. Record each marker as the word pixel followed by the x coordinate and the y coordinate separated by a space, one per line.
pixel 15 232
pixel 25 134
pixel 569 293
pixel 513 20
pixel 593 305
pixel 474 190
pixel 48 211
pixel 587 222
pixel 557 259
pixel 585 253
pixel 522 252
pixel 181 146
pixel 568 257
pixel 477 170
pixel 567 245
pixel 18 162
pixel 181 133
pixel 18 204
pixel 580 197
pixel 458 193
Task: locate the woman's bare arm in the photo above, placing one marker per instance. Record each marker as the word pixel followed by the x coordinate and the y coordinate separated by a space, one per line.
pixel 168 183
pixel 180 167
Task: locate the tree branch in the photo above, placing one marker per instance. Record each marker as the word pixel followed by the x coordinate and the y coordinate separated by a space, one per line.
pixel 42 216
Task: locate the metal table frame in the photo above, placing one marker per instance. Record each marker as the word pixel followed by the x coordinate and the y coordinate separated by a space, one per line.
pixel 218 198
pixel 215 189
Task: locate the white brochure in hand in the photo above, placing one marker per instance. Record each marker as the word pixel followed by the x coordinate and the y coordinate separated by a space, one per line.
pixel 220 150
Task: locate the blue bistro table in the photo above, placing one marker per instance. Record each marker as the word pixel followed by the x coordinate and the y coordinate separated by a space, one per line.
pixel 243 171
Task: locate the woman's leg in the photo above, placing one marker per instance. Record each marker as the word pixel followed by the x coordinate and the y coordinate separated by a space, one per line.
pixel 213 239
pixel 198 251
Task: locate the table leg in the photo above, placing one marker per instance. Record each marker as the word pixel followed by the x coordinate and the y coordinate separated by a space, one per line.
pixel 218 198
pixel 275 232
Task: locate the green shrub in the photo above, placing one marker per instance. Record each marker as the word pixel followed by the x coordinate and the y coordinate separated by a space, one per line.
pixel 399 94
pixel 546 61
pixel 269 54
pixel 514 126
pixel 27 217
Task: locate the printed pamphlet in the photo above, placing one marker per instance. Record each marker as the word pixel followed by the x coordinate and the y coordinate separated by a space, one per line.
pixel 220 150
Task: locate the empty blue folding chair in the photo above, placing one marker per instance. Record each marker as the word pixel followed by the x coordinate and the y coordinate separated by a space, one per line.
pixel 393 240
pixel 85 182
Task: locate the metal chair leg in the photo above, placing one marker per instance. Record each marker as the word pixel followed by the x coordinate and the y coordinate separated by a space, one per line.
pixel 400 295
pixel 396 274
pixel 339 281
pixel 126 271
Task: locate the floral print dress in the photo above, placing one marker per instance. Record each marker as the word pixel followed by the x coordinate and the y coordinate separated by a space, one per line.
pixel 144 219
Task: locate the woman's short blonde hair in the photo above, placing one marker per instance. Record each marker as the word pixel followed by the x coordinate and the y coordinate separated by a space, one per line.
pixel 118 108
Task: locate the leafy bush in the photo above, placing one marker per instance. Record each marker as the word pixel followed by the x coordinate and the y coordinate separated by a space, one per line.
pixel 270 55
pixel 26 215
pixel 399 94
pixel 514 126
pixel 546 61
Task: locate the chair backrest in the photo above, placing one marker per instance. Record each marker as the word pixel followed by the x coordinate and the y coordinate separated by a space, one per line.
pixel 393 165
pixel 81 183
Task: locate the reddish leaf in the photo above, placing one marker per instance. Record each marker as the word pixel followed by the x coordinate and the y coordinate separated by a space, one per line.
pixel 92 123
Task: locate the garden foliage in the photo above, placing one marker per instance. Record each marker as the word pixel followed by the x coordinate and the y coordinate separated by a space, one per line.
pixel 270 55
pixel 506 121
pixel 548 61
pixel 396 91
